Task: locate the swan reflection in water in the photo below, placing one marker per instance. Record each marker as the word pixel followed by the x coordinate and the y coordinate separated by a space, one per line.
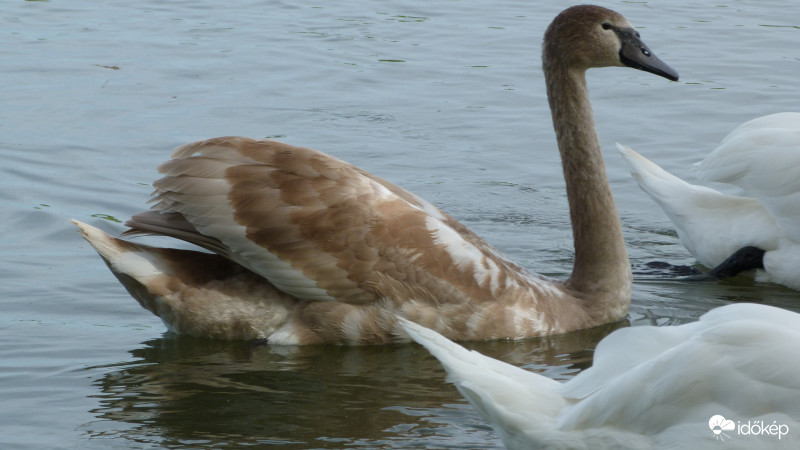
pixel 181 390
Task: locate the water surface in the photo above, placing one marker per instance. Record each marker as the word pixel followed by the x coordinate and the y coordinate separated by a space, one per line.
pixel 445 98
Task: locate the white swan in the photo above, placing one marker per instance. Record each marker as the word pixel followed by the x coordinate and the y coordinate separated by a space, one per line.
pixel 649 387
pixel 762 157
pixel 312 249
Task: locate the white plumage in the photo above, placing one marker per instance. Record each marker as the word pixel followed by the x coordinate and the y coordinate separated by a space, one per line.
pixel 649 387
pixel 762 157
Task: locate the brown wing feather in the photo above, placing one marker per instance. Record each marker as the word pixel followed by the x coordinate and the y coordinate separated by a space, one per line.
pixel 312 223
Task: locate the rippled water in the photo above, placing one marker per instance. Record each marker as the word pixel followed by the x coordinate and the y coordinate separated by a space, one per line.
pixel 445 98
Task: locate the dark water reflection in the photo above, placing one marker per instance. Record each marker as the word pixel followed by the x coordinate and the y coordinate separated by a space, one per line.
pixel 182 392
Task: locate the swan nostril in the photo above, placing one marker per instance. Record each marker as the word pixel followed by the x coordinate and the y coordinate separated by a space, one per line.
pixel 646 52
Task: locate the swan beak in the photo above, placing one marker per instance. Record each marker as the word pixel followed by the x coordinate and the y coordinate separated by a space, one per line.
pixel 634 53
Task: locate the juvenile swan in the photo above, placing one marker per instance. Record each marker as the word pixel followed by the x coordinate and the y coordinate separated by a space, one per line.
pixel 310 249
pixel 673 387
pixel 760 230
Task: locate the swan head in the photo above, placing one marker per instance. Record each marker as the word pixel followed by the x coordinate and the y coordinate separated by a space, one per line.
pixel 586 36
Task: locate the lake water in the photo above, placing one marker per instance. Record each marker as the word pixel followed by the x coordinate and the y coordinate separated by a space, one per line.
pixel 445 98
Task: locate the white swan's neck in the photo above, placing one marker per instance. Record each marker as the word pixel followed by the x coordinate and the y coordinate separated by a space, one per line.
pixel 601 270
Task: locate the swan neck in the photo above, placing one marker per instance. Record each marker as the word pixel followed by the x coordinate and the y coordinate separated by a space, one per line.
pixel 601 269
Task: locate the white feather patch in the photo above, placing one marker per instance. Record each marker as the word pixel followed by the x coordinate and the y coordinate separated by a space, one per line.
pixel 463 253
pixel 137 264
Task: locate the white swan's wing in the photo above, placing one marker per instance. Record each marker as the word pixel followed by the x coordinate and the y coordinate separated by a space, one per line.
pixel 648 386
pixel 710 224
pixel 318 228
pixel 515 401
pixel 762 157
pixel 621 351
pixel 740 361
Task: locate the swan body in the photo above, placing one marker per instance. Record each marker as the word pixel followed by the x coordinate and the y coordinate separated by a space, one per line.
pixel 649 387
pixel 762 157
pixel 310 249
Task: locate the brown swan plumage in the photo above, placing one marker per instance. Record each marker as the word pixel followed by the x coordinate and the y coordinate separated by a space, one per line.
pixel 310 249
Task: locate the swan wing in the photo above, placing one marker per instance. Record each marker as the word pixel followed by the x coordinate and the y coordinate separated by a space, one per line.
pixel 710 224
pixel 316 227
pixel 739 361
pixel 762 157
pixel 648 386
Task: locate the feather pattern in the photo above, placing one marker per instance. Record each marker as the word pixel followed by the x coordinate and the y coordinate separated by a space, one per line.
pixel 330 223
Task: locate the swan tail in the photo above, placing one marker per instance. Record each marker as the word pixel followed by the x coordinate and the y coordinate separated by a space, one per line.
pixel 657 182
pixel 515 401
pixel 710 224
pixel 149 274
pixel 122 257
pixel 681 201
pixel 195 293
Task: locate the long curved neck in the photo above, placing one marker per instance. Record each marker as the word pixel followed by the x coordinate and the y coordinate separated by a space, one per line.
pixel 601 270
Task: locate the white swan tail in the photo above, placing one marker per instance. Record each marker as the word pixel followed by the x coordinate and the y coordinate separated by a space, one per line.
pixel 517 402
pixel 707 221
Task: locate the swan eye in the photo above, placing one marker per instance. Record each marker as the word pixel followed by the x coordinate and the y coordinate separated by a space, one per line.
pixel 606 26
